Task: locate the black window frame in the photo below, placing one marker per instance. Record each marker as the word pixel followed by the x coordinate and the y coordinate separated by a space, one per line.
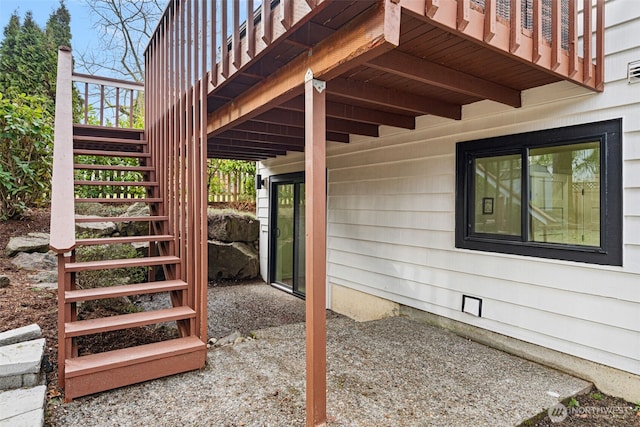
pixel 609 252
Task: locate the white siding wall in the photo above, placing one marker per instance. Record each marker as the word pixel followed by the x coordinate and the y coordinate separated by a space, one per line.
pixel 391 220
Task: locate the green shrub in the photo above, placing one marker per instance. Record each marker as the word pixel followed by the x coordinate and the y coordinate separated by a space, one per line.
pixel 26 146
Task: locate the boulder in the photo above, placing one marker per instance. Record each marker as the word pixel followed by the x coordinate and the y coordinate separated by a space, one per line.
pixel 4 281
pixel 44 277
pixel 33 242
pixel 36 261
pixel 235 260
pixel 140 228
pixel 98 229
pixel 232 227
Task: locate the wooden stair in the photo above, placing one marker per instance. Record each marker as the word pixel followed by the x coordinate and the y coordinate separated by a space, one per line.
pixel 87 374
pixel 117 368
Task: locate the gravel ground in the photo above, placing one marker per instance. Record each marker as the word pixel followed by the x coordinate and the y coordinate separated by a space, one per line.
pixel 392 372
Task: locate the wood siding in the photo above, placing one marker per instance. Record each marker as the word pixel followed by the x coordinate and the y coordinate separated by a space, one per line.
pixel 391 219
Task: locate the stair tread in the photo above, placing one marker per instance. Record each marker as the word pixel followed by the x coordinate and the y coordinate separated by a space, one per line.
pixel 115 358
pixel 80 127
pixel 126 321
pixel 107 153
pixel 122 219
pixel 119 200
pixel 118 183
pixel 108 139
pixel 81 166
pixel 123 290
pixel 124 239
pixel 120 263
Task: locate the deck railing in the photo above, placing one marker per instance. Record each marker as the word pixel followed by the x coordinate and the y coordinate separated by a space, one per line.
pixel 110 102
pixel 562 36
pixel 106 102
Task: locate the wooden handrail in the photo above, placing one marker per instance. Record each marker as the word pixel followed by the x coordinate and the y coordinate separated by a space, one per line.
pixel 62 200
pixel 106 101
pixel 108 81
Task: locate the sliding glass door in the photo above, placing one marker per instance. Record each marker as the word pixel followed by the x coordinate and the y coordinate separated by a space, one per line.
pixel 287 222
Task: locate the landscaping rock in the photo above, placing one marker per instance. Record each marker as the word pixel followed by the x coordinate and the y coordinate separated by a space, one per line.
pixel 4 281
pixel 232 227
pixel 23 407
pixel 20 364
pixel 95 228
pixel 33 242
pixel 140 228
pixel 36 261
pixel 26 333
pixel 43 277
pixel 233 338
pixel 235 260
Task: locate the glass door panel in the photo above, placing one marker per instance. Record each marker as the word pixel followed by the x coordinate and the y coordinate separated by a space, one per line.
pixel 284 227
pixel 287 259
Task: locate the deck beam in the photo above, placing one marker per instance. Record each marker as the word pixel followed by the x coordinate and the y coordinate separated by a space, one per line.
pixel 365 38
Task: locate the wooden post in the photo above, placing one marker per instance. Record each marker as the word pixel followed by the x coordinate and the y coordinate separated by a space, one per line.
pixel 62 199
pixel 315 247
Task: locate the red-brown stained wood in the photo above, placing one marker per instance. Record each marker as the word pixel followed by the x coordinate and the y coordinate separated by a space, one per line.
pixel 251 31
pixel 96 219
pixel 92 294
pixel 266 22
pixel 431 7
pixel 104 153
pixel 489 20
pixel 599 63
pixel 556 34
pixel 125 321
pixel 117 183
pixel 105 371
pixel 408 66
pixel 515 25
pixel 124 239
pixel 354 44
pixel 120 263
pixel 81 166
pixel 463 14
pixel 118 200
pixel 237 60
pixel 315 250
pixel 587 41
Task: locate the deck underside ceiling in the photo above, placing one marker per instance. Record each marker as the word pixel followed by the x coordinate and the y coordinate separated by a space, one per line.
pixel 258 112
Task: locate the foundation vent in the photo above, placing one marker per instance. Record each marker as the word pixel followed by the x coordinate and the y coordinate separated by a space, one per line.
pixel 633 72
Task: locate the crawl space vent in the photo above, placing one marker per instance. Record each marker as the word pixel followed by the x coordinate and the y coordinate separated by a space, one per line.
pixel 633 72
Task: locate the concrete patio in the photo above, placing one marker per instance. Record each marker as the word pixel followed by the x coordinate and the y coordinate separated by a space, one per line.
pixel 390 372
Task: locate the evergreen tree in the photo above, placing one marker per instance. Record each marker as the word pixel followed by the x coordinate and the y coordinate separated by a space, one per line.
pixel 58 28
pixel 29 56
pixel 8 52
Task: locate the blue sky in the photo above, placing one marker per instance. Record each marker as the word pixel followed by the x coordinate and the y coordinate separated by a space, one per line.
pixel 82 33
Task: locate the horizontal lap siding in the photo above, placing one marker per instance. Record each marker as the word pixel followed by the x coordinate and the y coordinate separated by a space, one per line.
pixel 391 220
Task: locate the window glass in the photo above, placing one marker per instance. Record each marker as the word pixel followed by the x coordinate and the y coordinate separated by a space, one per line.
pixel 498 195
pixel 564 184
pixel 553 193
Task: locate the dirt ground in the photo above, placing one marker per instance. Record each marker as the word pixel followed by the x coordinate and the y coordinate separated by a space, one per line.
pixel 22 304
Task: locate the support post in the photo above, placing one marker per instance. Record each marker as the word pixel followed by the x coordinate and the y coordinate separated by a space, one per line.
pixel 315 249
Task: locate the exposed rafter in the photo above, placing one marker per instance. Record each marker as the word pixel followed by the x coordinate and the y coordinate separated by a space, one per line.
pixel 364 38
pixel 427 72
pixel 356 114
pixel 296 119
pixel 378 95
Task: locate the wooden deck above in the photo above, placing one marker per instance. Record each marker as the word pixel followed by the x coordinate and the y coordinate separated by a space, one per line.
pixel 385 62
